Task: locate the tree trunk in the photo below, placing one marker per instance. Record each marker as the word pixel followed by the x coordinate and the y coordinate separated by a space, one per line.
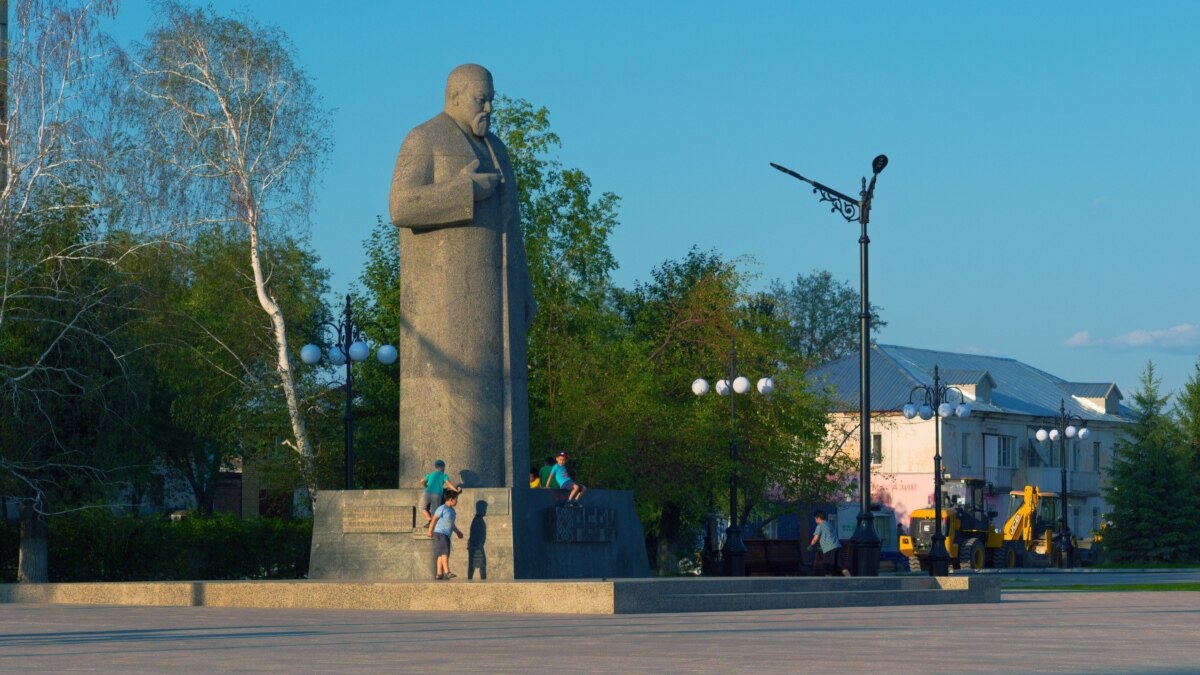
pixel 33 561
pixel 668 540
pixel 283 365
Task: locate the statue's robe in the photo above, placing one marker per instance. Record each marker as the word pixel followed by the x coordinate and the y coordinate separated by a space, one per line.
pixel 465 307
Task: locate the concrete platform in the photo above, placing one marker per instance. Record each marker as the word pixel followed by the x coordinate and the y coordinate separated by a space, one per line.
pixel 1029 632
pixel 621 596
pixel 511 534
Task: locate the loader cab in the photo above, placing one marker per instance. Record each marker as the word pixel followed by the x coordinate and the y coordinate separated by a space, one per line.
pixel 967 495
pixel 1046 515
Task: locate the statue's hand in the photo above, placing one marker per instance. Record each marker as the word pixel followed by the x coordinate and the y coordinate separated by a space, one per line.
pixel 485 183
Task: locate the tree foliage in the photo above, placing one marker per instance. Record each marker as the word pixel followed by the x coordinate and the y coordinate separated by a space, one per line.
pixel 1187 411
pixel 566 232
pixel 65 408
pixel 822 316
pixel 207 355
pixel 1154 490
pixel 377 309
pixel 228 132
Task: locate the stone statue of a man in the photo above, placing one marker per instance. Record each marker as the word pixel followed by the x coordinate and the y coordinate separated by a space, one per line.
pixel 466 302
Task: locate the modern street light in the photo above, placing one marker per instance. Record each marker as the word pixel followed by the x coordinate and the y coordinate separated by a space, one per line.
pixel 1065 425
pixel 733 554
pixel 351 346
pixel 933 404
pixel 865 539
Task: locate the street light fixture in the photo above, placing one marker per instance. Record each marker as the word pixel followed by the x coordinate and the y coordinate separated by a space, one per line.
pixel 865 539
pixel 733 553
pixel 933 404
pixel 351 347
pixel 1065 425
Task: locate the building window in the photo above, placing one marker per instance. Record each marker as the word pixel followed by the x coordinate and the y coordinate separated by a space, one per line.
pixel 1075 455
pixel 965 452
pixel 1096 456
pixel 876 449
pixel 1002 450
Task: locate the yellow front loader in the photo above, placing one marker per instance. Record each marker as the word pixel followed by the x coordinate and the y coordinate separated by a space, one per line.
pixel 1025 540
pixel 966 524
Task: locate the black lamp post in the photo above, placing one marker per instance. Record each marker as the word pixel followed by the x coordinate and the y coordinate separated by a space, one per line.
pixel 733 553
pixel 933 404
pixel 1065 425
pixel 865 539
pixel 351 346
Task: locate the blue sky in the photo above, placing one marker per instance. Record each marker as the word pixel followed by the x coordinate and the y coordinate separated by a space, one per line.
pixel 1039 203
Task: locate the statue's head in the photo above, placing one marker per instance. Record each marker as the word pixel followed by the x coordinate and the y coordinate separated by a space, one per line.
pixel 469 96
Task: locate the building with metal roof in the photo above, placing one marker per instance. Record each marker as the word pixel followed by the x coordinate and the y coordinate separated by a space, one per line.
pixel 1009 400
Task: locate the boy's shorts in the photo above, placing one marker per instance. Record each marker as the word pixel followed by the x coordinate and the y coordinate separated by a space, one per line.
pixel 567 485
pixel 441 544
pixel 428 502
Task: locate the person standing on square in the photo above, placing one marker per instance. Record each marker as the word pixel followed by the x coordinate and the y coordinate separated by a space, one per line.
pixel 441 526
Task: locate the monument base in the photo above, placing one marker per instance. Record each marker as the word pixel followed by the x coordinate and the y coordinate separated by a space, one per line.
pixel 508 534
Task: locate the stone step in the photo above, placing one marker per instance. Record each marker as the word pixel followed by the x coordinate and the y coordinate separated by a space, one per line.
pixel 584 596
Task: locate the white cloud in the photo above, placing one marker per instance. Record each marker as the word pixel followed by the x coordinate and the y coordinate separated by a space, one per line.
pixel 1080 339
pixel 1182 338
pixel 972 349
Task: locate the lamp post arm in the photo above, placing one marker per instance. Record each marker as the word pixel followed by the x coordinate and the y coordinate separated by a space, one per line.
pixel 847 206
pixel 319 330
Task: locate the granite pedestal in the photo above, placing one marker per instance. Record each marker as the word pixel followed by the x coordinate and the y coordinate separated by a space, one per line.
pixel 509 533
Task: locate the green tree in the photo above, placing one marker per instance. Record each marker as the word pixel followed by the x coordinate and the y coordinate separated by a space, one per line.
pixel 1187 410
pixel 637 425
pixel 229 133
pixel 566 232
pixel 377 308
pixel 70 398
pixel 62 375
pixel 207 356
pixel 1154 492
pixel 822 316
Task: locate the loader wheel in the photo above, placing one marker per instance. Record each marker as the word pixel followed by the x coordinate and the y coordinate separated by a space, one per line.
pixel 1004 557
pixel 914 564
pixel 971 555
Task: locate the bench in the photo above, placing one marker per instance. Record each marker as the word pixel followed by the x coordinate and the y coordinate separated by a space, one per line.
pixel 775 557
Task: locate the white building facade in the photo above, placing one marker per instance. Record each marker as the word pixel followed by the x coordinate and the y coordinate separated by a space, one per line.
pixel 997 443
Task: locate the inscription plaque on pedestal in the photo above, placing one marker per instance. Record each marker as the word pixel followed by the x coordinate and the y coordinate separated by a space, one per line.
pixel 579 524
pixel 372 519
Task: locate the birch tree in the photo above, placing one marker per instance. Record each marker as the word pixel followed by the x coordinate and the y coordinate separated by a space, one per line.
pixel 59 295
pixel 227 131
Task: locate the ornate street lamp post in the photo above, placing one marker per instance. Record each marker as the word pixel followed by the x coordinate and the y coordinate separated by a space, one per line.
pixel 1062 427
pixel 351 346
pixel 933 404
pixel 865 539
pixel 733 554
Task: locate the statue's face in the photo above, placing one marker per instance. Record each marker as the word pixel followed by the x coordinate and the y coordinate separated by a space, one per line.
pixel 472 107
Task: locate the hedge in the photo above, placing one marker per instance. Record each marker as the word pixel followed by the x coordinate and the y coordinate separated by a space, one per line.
pixel 95 545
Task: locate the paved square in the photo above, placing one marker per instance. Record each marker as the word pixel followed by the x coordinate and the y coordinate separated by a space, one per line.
pixel 1028 632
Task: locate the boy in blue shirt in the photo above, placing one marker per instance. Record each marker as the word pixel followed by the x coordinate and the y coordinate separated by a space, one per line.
pixel 440 527
pixel 434 483
pixel 559 473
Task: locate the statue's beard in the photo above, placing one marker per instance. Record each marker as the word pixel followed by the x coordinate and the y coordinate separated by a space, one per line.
pixel 480 124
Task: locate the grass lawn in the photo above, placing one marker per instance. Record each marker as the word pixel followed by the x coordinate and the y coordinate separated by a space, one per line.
pixel 1182 586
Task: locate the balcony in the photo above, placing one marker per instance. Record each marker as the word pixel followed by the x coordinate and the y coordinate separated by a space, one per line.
pixel 1084 482
pixel 1049 479
pixel 1001 477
